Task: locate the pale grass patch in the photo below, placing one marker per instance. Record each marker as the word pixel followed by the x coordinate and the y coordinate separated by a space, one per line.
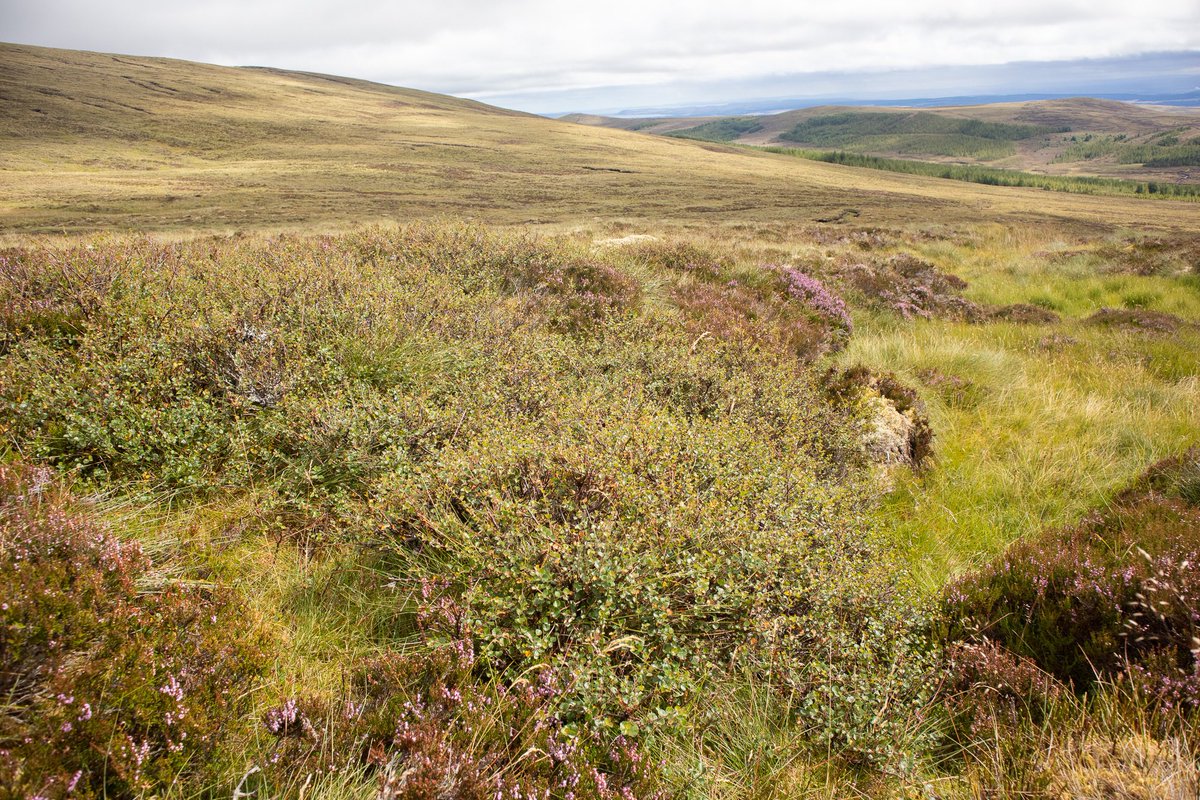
pixel 1133 767
pixel 1054 433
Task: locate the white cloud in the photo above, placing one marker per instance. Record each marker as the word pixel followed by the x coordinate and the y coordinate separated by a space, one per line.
pixel 505 47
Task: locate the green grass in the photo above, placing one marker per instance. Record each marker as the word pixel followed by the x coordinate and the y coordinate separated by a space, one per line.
pixel 1058 417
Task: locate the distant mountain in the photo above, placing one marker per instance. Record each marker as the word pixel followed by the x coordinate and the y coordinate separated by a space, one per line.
pixel 1167 77
pixel 777 105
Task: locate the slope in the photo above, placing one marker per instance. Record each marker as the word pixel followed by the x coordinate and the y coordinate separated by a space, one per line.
pixel 98 142
pixel 1077 136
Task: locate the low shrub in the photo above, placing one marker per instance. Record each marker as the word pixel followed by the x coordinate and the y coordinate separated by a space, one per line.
pixel 747 316
pixel 680 256
pixel 992 691
pixel 1115 598
pixel 113 684
pixel 813 293
pixel 624 500
pixel 424 725
pixel 1023 314
pixel 909 286
pixel 1150 255
pixel 639 564
pixel 1133 319
pixel 582 291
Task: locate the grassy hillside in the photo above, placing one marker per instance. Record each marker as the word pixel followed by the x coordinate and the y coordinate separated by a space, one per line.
pixel 96 142
pixel 921 132
pixel 681 470
pixel 1081 136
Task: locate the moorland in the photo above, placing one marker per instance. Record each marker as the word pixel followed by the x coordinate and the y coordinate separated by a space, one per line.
pixel 364 442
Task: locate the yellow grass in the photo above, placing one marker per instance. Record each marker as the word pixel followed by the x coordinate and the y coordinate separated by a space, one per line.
pixel 99 142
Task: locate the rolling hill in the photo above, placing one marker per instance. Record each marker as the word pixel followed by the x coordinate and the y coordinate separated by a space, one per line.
pixel 606 466
pixel 95 141
pixel 1077 136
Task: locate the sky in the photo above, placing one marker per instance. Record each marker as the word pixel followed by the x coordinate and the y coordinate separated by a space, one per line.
pixel 551 56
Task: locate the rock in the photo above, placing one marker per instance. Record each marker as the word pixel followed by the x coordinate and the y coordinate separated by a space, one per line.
pixel 889 439
pixel 897 430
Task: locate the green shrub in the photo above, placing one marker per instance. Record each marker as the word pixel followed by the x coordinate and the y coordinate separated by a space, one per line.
pixel 629 486
pixel 642 557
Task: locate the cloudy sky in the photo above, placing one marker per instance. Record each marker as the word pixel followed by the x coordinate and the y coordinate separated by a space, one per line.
pixel 558 55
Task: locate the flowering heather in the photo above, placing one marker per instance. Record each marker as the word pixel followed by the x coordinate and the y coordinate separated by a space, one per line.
pixel 747 316
pixel 811 291
pixel 426 726
pixel 908 286
pixel 1117 597
pixel 110 689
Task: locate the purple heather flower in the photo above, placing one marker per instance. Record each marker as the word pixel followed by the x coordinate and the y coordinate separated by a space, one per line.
pixel 813 293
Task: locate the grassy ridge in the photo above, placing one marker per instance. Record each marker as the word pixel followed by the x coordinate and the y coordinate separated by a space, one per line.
pixel 99 142
pixel 1001 177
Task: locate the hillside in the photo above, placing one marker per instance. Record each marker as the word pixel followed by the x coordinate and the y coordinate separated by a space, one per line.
pixel 359 443
pixel 94 141
pixel 1079 136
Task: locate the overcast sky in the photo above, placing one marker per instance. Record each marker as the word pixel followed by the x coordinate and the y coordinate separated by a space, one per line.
pixel 545 55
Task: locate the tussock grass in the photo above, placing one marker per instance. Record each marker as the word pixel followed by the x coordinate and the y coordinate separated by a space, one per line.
pixel 1059 417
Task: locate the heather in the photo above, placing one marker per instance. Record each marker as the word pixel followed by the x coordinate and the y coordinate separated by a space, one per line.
pixel 1094 626
pixel 117 681
pixel 1113 598
pixel 555 511
pixel 654 515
